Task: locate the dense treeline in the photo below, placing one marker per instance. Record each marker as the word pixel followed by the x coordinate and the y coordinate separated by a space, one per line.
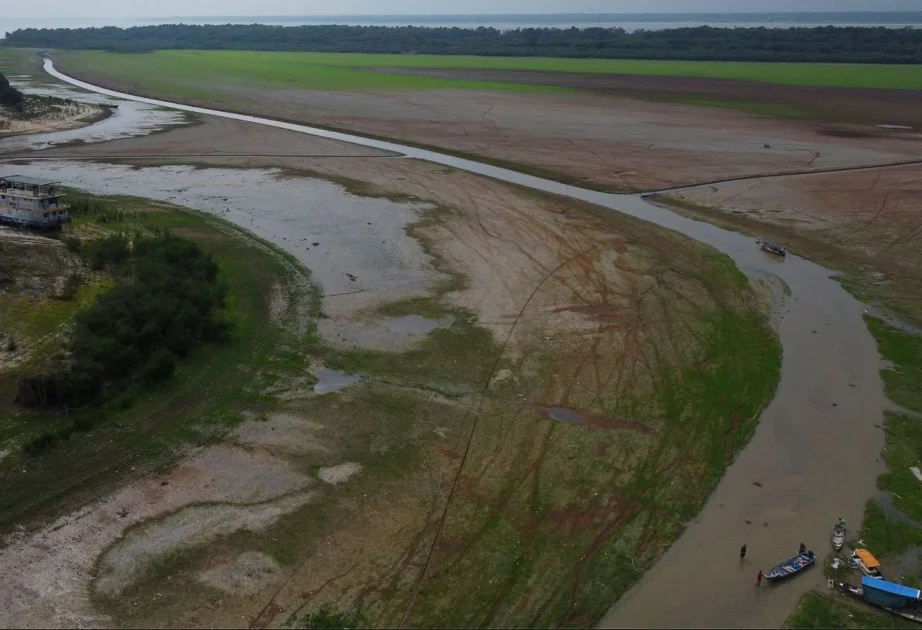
pixel 8 94
pixel 166 299
pixel 819 44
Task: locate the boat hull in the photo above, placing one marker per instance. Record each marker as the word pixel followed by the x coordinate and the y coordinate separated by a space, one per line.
pixel 838 537
pixel 791 567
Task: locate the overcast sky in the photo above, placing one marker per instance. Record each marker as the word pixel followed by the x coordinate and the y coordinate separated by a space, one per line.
pixel 49 9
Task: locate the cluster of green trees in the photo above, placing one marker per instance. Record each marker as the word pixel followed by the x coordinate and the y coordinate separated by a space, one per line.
pixel 8 94
pixel 817 44
pixel 167 298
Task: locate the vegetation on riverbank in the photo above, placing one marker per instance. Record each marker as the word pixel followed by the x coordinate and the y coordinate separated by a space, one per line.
pixel 9 96
pixel 165 300
pixel 817 44
pixel 140 427
pixel 183 69
pixel 819 611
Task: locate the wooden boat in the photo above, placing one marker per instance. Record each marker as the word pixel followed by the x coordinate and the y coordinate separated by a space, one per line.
pixel 838 536
pixel 894 598
pixel 791 567
pixel 772 248
pixel 867 563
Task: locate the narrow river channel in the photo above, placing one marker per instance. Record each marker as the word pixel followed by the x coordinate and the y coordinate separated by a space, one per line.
pixel 814 457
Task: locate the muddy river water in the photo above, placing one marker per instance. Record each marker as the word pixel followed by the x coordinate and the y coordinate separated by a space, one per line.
pixel 814 457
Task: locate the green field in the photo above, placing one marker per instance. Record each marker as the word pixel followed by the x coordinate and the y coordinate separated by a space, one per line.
pixel 347 71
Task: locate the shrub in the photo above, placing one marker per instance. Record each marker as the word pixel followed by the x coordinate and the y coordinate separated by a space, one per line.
pixel 165 302
pixel 159 367
pixel 73 244
pixel 112 250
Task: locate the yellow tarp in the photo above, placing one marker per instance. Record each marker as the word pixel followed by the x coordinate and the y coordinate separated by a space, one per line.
pixel 867 559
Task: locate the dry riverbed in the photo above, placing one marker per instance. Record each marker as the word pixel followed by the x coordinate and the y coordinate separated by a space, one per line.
pixel 515 462
pixel 606 134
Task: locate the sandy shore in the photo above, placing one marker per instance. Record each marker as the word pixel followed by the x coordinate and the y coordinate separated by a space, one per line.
pixel 50 116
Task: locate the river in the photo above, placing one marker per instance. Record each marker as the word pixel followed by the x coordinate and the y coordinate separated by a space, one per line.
pixel 814 457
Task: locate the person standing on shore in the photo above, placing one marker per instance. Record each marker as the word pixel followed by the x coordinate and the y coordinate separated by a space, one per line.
pixel 759 578
pixel 742 552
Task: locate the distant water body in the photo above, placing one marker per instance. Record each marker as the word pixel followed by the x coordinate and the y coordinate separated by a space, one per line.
pixel 514 22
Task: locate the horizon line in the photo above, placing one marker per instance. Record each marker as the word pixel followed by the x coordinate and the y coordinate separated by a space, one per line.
pixel 492 15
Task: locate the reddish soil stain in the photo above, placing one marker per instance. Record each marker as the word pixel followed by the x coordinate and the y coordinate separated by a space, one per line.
pixel 448 452
pixel 582 416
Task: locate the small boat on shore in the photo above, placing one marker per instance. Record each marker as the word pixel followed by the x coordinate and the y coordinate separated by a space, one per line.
pixel 838 536
pixel 772 248
pixel 791 567
pixel 903 601
pixel 867 563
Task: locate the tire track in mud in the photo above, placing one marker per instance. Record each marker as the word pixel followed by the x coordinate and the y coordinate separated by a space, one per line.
pixel 413 595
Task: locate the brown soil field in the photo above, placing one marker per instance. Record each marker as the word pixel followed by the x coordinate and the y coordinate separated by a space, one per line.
pixel 605 136
pixel 866 223
pixel 843 105
pixel 521 471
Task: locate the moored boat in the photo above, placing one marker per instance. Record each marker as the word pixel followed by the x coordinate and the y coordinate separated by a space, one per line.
pixel 867 563
pixel 838 536
pixel 896 599
pixel 772 248
pixel 791 567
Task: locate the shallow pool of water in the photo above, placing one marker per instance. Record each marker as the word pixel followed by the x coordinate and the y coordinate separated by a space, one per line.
pixel 130 119
pixel 331 380
pixel 351 244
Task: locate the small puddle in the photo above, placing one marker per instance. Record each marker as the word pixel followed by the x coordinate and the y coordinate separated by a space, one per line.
pixel 331 381
pixel 412 325
pixel 581 416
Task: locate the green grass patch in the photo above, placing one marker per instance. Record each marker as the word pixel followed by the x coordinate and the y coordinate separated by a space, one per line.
pixel 885 536
pixel 904 449
pixel 903 381
pixel 201 74
pixel 345 71
pixel 15 61
pixel 819 611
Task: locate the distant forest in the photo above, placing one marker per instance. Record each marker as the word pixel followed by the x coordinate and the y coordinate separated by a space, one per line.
pixel 817 44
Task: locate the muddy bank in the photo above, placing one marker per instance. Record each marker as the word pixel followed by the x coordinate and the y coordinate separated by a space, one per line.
pixel 864 223
pixel 356 246
pixel 95 118
pixel 792 453
pixel 602 140
pixel 47 115
pixel 829 104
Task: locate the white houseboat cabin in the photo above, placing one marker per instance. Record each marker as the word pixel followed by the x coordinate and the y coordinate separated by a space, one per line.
pixel 30 202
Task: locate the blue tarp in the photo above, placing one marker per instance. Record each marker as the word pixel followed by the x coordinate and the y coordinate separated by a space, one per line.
pixel 886 593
